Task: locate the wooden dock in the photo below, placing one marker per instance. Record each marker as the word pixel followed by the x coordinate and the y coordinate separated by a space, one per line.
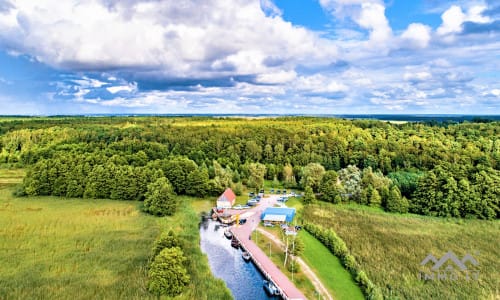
pixel 242 233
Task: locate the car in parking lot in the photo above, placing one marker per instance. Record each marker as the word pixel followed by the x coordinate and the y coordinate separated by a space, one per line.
pixel 268 224
pixel 252 202
pixel 239 206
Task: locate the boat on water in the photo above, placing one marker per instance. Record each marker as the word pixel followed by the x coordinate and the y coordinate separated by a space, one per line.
pixel 270 288
pixel 246 256
pixel 228 234
pixel 235 243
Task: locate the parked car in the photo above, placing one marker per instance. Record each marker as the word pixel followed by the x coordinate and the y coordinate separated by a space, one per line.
pixel 239 206
pixel 252 202
pixel 268 224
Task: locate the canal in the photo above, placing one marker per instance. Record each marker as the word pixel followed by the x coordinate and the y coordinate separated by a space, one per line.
pixel 242 278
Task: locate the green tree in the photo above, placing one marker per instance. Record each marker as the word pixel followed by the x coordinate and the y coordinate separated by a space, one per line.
pixel 256 175
pixel 197 183
pixel 328 187
pixel 312 175
pixel 288 176
pixel 375 199
pixel 309 196
pixel 395 202
pixel 167 274
pixel 160 198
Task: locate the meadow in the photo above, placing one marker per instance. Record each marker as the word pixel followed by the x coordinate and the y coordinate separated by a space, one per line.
pixel 62 248
pixel 390 248
pixel 73 249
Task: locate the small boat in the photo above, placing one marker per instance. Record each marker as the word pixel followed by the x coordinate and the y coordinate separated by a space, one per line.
pixel 228 234
pixel 235 243
pixel 270 288
pixel 246 256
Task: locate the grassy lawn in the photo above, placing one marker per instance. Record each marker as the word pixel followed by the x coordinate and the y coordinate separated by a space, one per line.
pixel 329 269
pixel 390 247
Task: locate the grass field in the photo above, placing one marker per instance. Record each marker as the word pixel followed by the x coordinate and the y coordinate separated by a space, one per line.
pixel 73 249
pixel 329 269
pixel 391 247
pixel 60 248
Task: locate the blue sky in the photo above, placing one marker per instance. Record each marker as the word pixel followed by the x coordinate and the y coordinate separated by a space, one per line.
pixel 244 56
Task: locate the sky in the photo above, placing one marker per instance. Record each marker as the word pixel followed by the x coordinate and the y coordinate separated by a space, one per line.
pixel 249 57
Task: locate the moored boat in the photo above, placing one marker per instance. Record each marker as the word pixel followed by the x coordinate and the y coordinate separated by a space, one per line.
pixel 246 256
pixel 235 243
pixel 270 288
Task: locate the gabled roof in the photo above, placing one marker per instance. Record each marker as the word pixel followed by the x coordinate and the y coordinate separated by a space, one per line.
pixel 228 196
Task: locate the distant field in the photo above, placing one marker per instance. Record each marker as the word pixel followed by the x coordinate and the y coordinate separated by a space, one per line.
pixel 390 248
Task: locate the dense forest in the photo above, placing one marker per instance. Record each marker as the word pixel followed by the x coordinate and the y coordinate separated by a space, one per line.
pixel 440 169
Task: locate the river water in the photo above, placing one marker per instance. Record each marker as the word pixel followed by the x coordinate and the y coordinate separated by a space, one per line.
pixel 242 278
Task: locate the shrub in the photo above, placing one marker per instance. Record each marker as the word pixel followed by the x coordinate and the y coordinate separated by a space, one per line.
pixel 167 274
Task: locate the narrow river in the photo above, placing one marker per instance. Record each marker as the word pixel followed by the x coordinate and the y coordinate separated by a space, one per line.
pixel 242 278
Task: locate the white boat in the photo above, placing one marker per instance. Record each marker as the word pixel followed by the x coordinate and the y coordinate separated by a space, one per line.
pixel 246 256
pixel 270 288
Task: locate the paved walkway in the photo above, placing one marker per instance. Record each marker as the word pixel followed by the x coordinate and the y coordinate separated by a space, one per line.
pixel 318 285
pixel 263 262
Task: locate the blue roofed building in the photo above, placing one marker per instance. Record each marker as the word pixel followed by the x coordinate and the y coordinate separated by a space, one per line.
pixel 278 214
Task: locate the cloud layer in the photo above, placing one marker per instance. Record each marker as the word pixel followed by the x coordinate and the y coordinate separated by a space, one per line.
pixel 242 56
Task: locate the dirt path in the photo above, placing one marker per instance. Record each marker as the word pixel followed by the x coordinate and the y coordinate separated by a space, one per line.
pixel 305 268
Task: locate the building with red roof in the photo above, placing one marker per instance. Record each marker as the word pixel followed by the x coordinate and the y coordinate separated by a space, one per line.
pixel 227 199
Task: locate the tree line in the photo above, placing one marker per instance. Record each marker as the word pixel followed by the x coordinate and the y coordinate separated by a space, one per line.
pixel 450 170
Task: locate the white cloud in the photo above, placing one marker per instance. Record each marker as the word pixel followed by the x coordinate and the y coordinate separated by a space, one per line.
pixel 417 76
pixel 86 82
pixel 319 83
pixel 454 17
pixel 367 14
pixel 277 77
pixel 269 7
pixel 204 39
pixel 132 87
pixel 493 92
pixel 372 17
pixel 417 35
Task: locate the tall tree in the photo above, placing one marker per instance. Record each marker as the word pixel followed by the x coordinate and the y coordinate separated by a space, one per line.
pixel 160 198
pixel 256 175
pixel 329 186
pixel 312 175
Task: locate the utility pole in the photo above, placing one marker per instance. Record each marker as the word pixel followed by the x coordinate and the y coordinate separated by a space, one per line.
pixel 286 250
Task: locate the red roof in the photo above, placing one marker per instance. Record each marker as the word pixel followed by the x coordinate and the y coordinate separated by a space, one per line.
pixel 228 195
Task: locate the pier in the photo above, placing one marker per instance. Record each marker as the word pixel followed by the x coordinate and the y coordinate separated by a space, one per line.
pixel 260 259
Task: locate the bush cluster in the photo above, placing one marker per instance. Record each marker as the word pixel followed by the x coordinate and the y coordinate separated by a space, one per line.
pixel 167 272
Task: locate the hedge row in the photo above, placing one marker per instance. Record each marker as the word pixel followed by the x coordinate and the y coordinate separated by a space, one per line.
pixel 338 247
